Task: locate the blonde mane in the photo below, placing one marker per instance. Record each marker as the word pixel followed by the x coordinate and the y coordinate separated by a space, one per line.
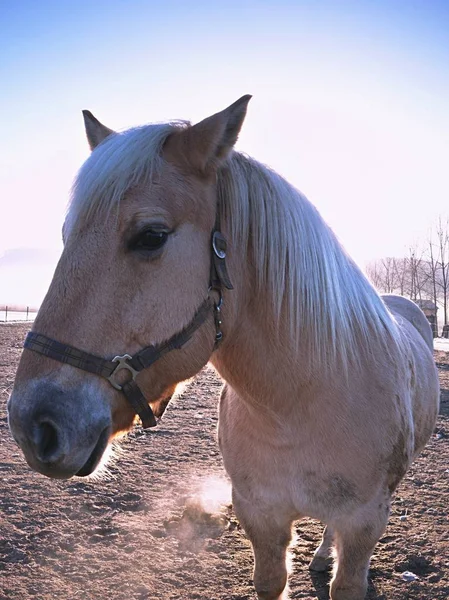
pixel 331 305
pixel 299 262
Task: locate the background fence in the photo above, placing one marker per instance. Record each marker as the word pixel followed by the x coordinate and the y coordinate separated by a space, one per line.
pixel 10 313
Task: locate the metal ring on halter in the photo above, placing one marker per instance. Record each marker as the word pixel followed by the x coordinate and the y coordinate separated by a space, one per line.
pixel 217 240
pixel 121 364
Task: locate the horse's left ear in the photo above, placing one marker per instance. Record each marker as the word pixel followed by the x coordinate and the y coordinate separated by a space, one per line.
pixel 96 132
pixel 205 145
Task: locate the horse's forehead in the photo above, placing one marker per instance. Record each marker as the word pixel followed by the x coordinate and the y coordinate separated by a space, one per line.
pixel 177 194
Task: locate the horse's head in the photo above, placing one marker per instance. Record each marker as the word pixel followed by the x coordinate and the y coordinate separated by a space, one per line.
pixel 134 271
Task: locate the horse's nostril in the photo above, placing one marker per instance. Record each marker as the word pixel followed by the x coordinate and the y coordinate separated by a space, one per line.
pixel 47 442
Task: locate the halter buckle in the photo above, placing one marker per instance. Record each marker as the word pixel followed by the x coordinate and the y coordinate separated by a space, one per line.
pixel 121 364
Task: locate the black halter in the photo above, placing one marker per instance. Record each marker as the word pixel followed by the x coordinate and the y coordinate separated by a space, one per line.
pixel 108 369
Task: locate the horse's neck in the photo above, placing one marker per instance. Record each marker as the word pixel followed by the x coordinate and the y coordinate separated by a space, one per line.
pixel 259 357
pixel 258 360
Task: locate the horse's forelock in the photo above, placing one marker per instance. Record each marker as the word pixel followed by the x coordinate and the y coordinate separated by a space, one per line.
pixel 121 162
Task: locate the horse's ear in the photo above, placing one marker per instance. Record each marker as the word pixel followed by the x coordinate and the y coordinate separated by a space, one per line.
pixel 205 145
pixel 96 132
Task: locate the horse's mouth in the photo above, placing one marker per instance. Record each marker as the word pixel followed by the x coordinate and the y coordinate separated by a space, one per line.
pixel 92 462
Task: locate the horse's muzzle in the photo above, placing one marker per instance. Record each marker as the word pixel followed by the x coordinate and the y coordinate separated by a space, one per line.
pixel 61 433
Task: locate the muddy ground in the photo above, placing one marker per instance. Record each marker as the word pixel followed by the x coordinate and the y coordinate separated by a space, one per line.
pixel 153 528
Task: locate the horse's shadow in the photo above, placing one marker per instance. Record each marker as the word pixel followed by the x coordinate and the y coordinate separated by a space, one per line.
pixel 321 584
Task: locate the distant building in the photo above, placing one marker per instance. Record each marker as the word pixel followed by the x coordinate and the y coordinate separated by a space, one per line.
pixel 430 310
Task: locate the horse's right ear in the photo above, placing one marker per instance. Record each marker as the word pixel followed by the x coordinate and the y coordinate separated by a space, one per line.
pixel 204 146
pixel 96 132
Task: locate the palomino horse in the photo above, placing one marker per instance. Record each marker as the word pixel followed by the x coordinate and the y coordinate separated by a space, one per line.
pixel 330 390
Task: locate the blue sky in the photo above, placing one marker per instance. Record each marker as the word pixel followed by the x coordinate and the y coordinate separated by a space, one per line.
pixel 350 104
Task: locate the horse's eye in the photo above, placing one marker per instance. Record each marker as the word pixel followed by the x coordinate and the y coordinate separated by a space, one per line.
pixel 148 240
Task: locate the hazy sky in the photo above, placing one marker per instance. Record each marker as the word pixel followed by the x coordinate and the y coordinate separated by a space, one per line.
pixel 350 104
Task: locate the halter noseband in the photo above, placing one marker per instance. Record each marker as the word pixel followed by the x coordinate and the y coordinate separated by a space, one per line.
pixel 108 369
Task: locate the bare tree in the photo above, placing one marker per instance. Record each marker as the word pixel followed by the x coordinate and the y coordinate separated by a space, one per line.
pixel 374 274
pixel 442 234
pixel 434 268
pixel 383 274
pixel 423 274
pixel 401 274
pixel 389 275
pixel 417 272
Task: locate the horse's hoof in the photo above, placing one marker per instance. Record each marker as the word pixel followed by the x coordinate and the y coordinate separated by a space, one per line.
pixel 320 564
pixel 346 593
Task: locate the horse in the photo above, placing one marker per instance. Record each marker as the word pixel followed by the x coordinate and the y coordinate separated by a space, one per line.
pixel 181 251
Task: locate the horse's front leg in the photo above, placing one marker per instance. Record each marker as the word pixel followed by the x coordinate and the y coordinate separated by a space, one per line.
pixel 270 534
pixel 355 539
pixel 322 559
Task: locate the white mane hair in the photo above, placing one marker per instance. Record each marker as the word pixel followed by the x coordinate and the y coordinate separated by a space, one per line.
pixel 332 306
pixel 329 302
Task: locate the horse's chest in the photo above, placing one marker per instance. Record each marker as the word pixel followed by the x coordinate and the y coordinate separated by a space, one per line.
pixel 296 473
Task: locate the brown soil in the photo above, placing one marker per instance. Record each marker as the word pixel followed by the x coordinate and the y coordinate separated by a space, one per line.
pixel 151 531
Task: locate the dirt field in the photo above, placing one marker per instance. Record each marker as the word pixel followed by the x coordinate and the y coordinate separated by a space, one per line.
pixel 154 528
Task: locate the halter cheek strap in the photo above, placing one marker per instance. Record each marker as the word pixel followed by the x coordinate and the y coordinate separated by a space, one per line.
pixel 108 369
